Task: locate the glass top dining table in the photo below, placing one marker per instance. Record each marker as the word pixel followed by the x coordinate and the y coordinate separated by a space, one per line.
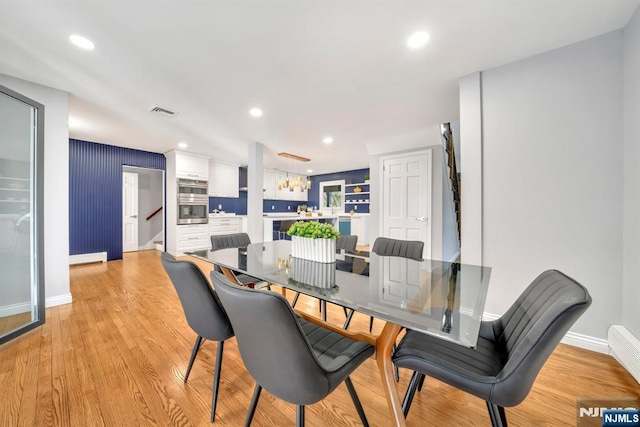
pixel 435 297
pixel 445 299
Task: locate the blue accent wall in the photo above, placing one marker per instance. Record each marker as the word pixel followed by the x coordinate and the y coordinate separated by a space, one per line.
pixel 350 177
pixel 95 194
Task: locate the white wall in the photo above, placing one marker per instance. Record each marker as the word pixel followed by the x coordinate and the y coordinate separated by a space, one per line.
pixel 552 148
pixel 631 206
pixel 56 185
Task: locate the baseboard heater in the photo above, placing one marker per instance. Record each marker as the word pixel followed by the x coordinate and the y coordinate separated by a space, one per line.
pixel 625 347
pixel 87 258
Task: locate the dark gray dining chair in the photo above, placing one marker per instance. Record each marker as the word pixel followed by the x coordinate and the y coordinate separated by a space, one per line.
pixel 226 241
pixel 384 246
pixel 345 242
pixel 203 311
pixel 285 225
pixel 231 241
pixel 510 351
pixel 295 360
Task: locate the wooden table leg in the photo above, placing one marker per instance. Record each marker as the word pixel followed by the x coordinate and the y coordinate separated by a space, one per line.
pixel 384 345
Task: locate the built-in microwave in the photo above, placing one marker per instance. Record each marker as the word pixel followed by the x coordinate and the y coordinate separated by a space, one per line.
pixel 193 202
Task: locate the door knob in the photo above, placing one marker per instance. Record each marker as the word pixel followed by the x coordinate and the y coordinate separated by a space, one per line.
pixel 421 218
pixel 134 216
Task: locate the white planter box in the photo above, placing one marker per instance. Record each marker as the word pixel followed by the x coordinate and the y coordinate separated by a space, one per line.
pixel 318 250
pixel 311 273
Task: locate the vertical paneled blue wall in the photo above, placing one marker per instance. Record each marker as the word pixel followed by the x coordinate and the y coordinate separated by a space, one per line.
pixel 95 194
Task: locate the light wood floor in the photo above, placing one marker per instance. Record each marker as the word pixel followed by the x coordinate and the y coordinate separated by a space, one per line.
pixel 9 323
pixel 116 357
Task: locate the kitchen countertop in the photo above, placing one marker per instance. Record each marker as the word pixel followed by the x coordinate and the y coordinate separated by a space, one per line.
pixel 284 215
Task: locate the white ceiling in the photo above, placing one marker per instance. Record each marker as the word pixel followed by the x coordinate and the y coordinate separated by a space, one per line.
pixel 316 67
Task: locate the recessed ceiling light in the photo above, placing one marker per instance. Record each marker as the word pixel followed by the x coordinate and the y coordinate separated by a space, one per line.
pixel 309 170
pixel 327 140
pixel 418 40
pixel 82 42
pixel 183 145
pixel 255 112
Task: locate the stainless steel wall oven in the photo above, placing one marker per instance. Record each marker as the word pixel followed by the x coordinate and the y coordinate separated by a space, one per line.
pixel 193 202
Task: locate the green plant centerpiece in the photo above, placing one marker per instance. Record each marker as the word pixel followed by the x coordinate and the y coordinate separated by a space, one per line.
pixel 313 241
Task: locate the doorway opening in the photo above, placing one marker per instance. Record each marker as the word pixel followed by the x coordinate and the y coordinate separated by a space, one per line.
pixel 142 209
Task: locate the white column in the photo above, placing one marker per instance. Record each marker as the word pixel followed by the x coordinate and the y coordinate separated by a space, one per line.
pixel 471 168
pixel 255 173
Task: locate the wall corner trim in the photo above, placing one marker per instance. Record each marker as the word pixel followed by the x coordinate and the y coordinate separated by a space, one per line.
pixel 58 300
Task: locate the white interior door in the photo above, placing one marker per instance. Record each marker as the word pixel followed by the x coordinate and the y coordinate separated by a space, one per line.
pixel 129 212
pixel 406 195
pixel 406 215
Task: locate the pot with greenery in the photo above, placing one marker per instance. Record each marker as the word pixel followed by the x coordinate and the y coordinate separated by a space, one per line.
pixel 313 241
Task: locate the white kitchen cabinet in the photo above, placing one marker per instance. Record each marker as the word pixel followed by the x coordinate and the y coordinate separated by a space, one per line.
pixel 192 237
pixel 224 179
pixel 270 183
pixel 224 225
pixel 192 166
pixel 272 179
pixel 360 228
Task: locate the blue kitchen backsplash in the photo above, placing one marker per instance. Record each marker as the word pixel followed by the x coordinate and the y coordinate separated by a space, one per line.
pixel 239 205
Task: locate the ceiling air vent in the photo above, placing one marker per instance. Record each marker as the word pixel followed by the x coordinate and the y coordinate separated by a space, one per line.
pixel 162 111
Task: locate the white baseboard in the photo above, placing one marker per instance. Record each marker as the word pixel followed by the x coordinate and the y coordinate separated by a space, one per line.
pixel 11 309
pixel 24 307
pixel 87 258
pixel 58 300
pixel 572 338
pixel 587 342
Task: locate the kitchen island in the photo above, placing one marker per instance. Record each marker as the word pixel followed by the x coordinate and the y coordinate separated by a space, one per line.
pixel 269 219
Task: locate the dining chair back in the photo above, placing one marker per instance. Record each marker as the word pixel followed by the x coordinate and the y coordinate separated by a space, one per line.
pixel 226 241
pixel 203 311
pixel 410 249
pixel 510 351
pixel 347 242
pixel 295 360
pixel 384 246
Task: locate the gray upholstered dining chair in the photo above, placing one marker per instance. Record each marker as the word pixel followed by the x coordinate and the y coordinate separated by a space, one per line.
pixel 510 351
pixel 203 311
pixel 285 225
pixel 235 240
pixel 347 242
pixel 295 360
pixel 384 246
pixel 226 241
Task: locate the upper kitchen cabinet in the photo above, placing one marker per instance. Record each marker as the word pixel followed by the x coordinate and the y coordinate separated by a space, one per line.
pixel 224 179
pixel 192 166
pixel 270 183
pixel 276 189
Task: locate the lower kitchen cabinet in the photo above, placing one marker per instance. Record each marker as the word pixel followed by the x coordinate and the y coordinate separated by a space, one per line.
pixel 192 237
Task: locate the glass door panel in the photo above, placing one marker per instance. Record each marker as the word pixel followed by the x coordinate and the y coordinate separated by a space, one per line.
pixel 21 285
